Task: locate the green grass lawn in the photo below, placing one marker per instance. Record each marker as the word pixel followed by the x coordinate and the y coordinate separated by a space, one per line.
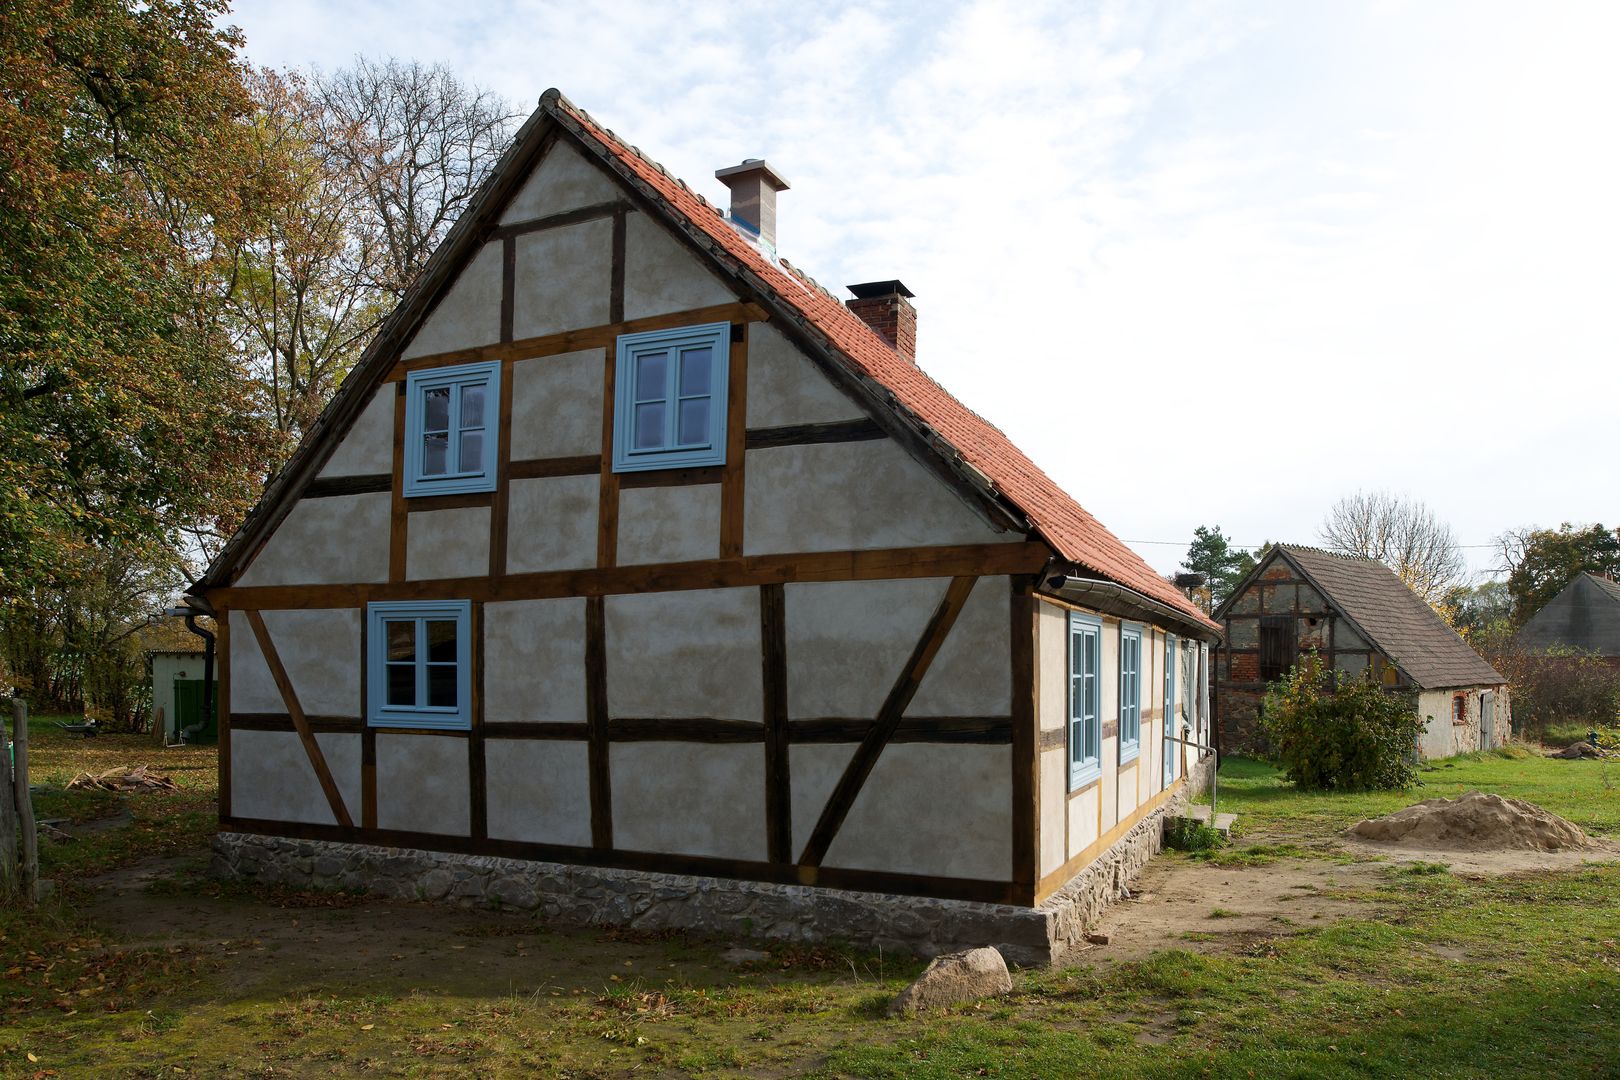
pixel 1435 974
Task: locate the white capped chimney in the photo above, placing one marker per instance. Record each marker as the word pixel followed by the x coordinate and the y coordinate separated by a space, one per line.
pixel 754 185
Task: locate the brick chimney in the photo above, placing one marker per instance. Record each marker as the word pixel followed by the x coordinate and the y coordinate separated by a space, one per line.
pixel 885 307
pixel 754 185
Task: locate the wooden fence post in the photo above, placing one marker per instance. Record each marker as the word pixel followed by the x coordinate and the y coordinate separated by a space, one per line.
pixel 8 823
pixel 25 804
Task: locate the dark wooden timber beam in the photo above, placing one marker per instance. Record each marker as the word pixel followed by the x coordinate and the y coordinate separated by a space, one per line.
pixel 778 775
pixel 289 698
pixel 838 431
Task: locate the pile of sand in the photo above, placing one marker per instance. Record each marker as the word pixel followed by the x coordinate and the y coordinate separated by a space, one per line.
pixel 1473 822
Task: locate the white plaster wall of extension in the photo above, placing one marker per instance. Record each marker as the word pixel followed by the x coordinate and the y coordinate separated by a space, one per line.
pixel 423 784
pixel 814 769
pixel 538 792
pixel 563 180
pixel 972 673
pixel 689 798
pixel 447 543
pixel 785 386
pixel 534 661
pixel 272 778
pixel 901 822
pixel 1442 737
pixel 562 279
pixel 368 446
pixel 855 495
pixel 848 641
pixel 320 650
pixel 661 276
pixel 669 524
pixel 1054 806
pixel 469 314
pixel 557 405
pixel 1085 815
pixel 680 654
pixel 1109 785
pixel 551 523
pixel 338 540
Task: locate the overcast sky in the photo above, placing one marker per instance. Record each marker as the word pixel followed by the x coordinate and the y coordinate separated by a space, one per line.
pixel 1206 263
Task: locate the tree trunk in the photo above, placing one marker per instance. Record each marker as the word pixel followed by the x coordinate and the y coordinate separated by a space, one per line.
pixel 9 871
pixel 29 877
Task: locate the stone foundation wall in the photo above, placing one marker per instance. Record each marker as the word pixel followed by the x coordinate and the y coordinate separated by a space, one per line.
pixel 588 895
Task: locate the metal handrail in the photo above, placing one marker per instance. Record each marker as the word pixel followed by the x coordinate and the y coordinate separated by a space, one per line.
pixel 1214 776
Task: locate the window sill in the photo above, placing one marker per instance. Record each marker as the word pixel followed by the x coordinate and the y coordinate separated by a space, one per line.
pixel 420 722
pixel 464 485
pixel 1129 753
pixel 1084 780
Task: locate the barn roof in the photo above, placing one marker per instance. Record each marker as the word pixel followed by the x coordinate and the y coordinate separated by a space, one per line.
pixel 968 450
pixel 1394 618
pixel 1584 615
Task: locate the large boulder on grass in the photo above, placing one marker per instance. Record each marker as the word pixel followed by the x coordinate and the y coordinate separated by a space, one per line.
pixel 953 979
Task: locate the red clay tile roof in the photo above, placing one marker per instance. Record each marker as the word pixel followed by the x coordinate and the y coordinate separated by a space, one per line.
pixel 1060 520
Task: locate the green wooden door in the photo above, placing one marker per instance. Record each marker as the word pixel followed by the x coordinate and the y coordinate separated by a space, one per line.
pixel 188 709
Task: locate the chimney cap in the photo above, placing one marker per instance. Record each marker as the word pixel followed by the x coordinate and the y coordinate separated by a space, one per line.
pixel 754 165
pixel 872 290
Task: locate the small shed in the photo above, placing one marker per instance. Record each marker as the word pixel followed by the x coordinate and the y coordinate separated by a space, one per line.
pixel 1585 616
pixel 178 690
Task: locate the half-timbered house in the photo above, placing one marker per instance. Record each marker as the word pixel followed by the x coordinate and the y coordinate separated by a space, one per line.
pixel 633 576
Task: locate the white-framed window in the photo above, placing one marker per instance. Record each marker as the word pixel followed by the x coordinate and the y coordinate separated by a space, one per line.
pixel 669 398
pixel 1085 705
pixel 419 664
pixel 452 421
pixel 1130 692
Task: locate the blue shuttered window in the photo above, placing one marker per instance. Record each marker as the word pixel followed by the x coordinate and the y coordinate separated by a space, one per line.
pixel 1172 729
pixel 1130 692
pixel 1085 719
pixel 669 409
pixel 452 420
pixel 419 664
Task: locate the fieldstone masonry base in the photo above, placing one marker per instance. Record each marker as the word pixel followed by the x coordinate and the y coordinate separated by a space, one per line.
pixel 588 895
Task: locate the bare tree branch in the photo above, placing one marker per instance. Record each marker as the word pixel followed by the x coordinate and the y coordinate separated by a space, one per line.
pixel 1403 534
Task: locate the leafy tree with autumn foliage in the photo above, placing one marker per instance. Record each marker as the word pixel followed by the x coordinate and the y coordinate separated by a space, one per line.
pixel 1540 562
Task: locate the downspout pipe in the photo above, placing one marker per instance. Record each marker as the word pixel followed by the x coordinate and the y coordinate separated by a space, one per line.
pixel 190 615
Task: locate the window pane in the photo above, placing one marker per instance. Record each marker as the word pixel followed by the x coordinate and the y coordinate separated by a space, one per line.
pixel 401 639
pixel 472 405
pixel 441 635
pixel 402 684
pixel 649 433
pixel 695 367
pixel 436 414
pixel 433 454
pixel 472 451
pixel 651 376
pixel 442 685
pixel 694 430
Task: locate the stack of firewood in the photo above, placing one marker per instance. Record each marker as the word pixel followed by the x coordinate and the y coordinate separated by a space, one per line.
pixel 126 778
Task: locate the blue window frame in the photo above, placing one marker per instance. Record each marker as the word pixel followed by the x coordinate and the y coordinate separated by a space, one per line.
pixel 1085 712
pixel 1171 729
pixel 452 422
pixel 669 408
pixel 1130 692
pixel 419 664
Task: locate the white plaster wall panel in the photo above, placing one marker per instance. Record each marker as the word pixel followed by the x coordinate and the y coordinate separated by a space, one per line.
pixel 423 784
pixel 1108 699
pixel 557 405
pixel 340 540
pixel 1083 815
pixel 1054 808
pixel 469 314
pixel 846 496
pixel 272 778
pixel 932 809
pixel 661 275
pixel 562 181
pixel 551 523
pixel 534 661
pixel 690 799
pixel 690 653
pixel 1109 784
pixel 972 673
pixel 669 524
pixel 320 650
pixel 847 641
pixel 815 769
pixel 562 279
pixel 368 446
pixel 538 791
pixel 447 543
pixel 1052 643
pixel 785 386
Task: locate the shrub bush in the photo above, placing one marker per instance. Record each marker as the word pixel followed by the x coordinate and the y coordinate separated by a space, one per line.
pixel 1355 736
pixel 1185 834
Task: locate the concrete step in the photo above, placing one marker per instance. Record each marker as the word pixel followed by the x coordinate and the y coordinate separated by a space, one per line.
pixel 1222 823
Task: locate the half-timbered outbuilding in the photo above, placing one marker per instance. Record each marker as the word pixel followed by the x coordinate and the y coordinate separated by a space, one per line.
pixel 632 576
pixel 1360 621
